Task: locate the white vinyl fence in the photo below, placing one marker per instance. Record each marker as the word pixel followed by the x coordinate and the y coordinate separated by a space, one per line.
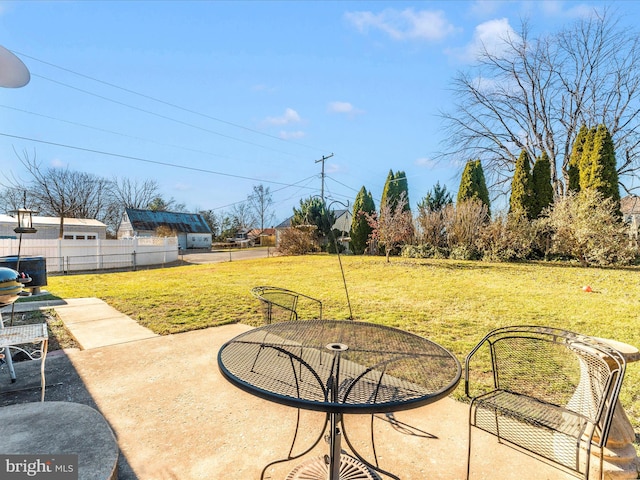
pixel 64 256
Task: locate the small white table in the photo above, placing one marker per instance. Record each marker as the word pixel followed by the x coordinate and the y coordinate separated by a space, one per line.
pixel 12 337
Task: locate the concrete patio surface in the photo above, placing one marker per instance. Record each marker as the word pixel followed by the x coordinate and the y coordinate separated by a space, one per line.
pixel 175 417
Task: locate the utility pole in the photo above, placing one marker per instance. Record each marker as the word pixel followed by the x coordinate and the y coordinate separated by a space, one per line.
pixel 322 174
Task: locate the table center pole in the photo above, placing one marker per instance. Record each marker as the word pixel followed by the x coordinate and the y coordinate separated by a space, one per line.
pixel 335 440
pixel 335 436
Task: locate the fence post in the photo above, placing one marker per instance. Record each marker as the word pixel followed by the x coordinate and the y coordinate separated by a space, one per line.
pixel 99 259
pixel 60 255
pixel 133 260
pixel 164 251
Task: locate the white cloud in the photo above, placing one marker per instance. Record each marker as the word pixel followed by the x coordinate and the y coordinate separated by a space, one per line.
pixel 425 162
pixel 289 116
pixel 492 36
pixel 263 88
pixel 57 163
pixel 407 24
pixel 555 8
pixel 333 168
pixel 343 108
pixel 485 7
pixel 291 135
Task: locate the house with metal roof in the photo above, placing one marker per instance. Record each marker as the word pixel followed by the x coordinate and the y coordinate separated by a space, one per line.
pixel 191 229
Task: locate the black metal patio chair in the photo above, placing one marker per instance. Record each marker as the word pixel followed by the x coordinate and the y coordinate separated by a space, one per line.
pixel 546 391
pixel 279 304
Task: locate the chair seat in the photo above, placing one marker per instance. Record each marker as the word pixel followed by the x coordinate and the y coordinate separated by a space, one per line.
pixel 527 410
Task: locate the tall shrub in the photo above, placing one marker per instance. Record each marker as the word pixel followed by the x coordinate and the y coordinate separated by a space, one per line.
pixel 462 225
pixel 542 187
pixel 474 185
pixel 430 216
pixel 604 176
pixel 584 166
pixel 573 169
pixel 587 227
pixel 360 228
pixel 521 199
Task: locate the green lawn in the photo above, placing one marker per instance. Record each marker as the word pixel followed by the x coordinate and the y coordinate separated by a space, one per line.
pixel 452 302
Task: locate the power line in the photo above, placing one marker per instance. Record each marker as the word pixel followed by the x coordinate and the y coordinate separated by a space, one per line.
pixel 146 160
pixel 343 184
pixel 133 137
pixel 164 117
pixel 164 102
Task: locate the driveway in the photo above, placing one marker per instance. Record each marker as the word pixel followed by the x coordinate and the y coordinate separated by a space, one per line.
pixel 218 256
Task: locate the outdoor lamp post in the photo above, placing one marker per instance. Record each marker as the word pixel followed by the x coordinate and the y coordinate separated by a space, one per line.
pixel 25 225
pixel 25 221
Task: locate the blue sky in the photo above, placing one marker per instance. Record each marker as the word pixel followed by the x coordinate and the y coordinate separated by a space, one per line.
pixel 212 98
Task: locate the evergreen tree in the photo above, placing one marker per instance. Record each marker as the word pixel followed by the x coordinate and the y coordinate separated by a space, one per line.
pixel 473 184
pixel 360 228
pixel 542 187
pixel 313 212
pixel 388 190
pixel 575 159
pixel 435 200
pixel 393 188
pixel 520 202
pixel 402 186
pixel 604 176
pixel 585 159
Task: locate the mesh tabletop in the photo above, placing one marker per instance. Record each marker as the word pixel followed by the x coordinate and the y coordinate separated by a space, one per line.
pixel 19 334
pixel 339 366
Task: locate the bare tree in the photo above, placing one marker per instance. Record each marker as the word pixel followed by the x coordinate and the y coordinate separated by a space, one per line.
pixel 260 202
pixel 60 192
pixel 52 190
pixel 135 194
pixel 533 94
pixel 393 226
pixel 94 195
pixel 242 215
pixel 13 198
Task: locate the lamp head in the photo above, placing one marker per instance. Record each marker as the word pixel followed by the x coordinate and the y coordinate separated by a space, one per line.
pixel 25 220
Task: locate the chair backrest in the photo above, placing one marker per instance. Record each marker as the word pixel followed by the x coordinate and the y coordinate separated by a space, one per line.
pixel 280 305
pixel 576 372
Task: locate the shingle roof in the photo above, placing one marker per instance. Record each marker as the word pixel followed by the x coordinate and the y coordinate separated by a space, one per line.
pixel 180 222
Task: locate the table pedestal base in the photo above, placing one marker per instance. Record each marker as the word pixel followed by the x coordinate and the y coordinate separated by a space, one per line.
pixel 318 469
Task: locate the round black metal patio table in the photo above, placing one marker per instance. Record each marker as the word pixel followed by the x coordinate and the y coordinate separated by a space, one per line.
pixel 339 367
